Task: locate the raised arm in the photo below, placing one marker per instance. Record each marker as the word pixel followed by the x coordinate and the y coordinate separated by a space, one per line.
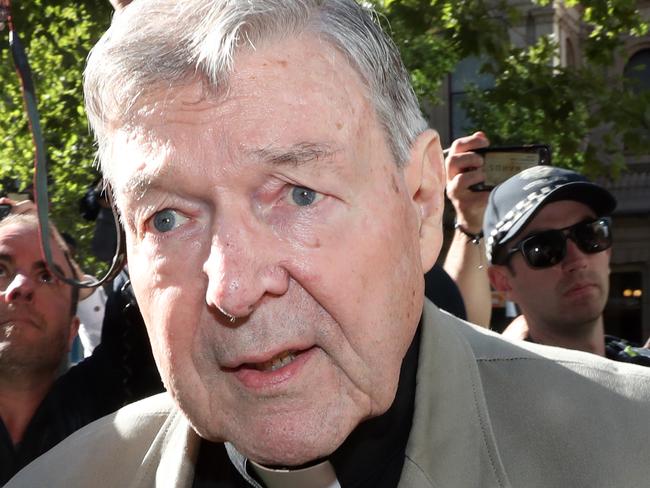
pixel 465 260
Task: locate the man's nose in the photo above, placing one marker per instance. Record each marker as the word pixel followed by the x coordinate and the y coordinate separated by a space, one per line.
pixel 21 288
pixel 243 268
pixel 575 258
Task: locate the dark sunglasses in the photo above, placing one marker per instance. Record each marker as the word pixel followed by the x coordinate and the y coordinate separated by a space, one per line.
pixel 548 248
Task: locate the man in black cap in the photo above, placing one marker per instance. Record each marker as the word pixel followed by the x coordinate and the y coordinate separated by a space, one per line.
pixel 548 242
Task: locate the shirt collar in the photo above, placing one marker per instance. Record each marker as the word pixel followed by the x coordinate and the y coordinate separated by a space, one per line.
pixel 373 454
pixel 320 475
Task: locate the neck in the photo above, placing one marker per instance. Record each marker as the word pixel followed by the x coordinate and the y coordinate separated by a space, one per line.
pixel 590 338
pixel 19 399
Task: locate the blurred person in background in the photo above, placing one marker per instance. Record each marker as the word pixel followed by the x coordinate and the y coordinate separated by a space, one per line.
pixel 39 406
pixel 548 243
pixel 90 310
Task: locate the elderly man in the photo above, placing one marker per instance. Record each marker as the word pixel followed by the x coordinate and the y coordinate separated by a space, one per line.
pixel 38 406
pixel 282 197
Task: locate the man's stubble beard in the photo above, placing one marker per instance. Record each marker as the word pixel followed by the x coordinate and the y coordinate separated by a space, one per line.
pixel 21 359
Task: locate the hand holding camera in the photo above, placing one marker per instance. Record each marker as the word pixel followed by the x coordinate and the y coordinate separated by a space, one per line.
pixel 466 168
pixel 474 169
pixel 500 163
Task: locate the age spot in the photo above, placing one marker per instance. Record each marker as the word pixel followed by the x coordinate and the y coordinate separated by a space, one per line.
pixel 394 184
pixel 314 243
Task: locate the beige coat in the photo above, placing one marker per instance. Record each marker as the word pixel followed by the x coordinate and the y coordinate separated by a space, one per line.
pixel 489 413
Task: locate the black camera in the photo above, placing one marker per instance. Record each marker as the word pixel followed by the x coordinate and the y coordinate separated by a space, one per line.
pixel 503 162
pixel 5 209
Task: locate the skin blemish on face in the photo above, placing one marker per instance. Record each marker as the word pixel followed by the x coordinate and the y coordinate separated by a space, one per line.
pixel 312 242
pixel 393 183
pixel 339 125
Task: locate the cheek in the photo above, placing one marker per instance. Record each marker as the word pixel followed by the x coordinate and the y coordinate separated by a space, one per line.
pixel 539 287
pixel 604 270
pixel 519 283
pixel 171 299
pixel 55 304
pixel 374 285
pixel 161 270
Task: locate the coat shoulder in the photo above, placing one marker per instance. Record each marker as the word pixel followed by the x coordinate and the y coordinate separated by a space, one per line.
pixel 107 452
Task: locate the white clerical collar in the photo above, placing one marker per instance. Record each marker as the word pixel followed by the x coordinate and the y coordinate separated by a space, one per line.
pixel 321 475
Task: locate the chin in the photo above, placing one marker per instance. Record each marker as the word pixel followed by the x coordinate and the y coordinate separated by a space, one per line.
pixel 293 441
pixel 293 455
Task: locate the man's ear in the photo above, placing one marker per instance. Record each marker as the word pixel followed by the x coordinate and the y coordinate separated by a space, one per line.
pixel 500 278
pixel 425 180
pixel 74 328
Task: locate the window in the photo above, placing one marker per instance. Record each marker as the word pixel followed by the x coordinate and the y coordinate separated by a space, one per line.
pixel 623 314
pixel 569 53
pixel 467 73
pixel 637 70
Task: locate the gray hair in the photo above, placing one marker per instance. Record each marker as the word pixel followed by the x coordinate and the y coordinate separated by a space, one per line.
pixel 160 44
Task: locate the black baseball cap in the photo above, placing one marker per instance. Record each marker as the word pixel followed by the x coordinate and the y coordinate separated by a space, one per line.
pixel 514 203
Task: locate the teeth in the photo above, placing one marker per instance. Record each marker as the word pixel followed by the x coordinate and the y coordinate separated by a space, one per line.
pixel 277 362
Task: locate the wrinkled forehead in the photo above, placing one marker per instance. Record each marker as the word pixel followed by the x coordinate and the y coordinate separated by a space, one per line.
pixel 20 241
pixel 287 93
pixel 135 148
pixel 558 215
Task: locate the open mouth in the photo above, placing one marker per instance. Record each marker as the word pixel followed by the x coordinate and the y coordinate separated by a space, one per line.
pixel 276 362
pixel 269 374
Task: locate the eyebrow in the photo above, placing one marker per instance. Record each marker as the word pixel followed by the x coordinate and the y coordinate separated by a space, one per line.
pixel 138 184
pixel 41 265
pixel 38 265
pixel 295 155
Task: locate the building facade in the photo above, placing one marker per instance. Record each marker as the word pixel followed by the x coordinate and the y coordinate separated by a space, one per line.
pixel 628 309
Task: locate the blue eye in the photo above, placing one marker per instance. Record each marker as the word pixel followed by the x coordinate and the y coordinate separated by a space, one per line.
pixel 302 196
pixel 165 220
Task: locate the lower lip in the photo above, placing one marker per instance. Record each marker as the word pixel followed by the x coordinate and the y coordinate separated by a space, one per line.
pixel 580 291
pixel 255 379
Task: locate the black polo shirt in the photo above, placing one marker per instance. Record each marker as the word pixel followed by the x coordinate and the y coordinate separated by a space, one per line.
pixel 121 370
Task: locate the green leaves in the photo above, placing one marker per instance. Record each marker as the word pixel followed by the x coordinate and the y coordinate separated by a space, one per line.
pixel 57 37
pixel 589 115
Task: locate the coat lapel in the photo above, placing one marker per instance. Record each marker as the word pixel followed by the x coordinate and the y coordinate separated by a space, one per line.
pixel 451 441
